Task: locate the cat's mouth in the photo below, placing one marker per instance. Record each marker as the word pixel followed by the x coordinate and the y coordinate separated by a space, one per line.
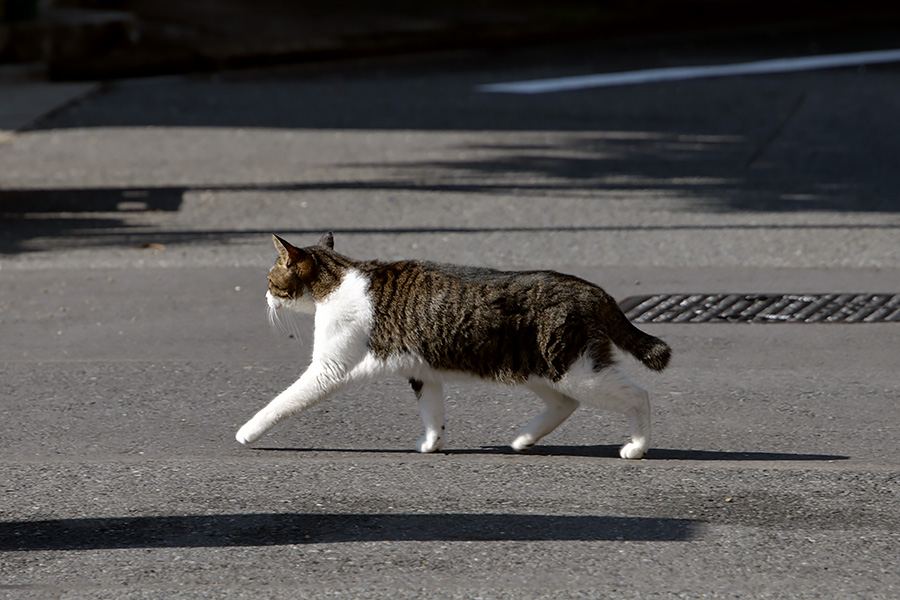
pixel 274 302
pixel 302 305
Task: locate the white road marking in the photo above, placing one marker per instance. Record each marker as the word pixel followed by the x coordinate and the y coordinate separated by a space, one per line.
pixel 778 65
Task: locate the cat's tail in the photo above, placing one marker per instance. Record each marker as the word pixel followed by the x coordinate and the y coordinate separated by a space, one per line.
pixel 648 349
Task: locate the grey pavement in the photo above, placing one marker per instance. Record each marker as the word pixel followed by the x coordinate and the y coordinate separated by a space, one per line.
pixel 134 249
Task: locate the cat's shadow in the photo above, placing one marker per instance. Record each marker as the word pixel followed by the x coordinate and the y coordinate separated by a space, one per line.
pixel 604 451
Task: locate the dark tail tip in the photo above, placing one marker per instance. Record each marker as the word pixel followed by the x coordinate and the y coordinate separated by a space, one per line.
pixel 656 356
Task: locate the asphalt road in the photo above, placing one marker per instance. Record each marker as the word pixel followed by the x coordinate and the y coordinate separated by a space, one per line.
pixel 135 245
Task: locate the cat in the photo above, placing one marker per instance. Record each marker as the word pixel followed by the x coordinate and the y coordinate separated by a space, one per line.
pixel 431 323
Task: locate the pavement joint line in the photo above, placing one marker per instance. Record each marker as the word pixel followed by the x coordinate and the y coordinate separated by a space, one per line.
pixel 763 67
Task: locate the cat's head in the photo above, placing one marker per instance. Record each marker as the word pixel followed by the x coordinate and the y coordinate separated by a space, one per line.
pixel 294 274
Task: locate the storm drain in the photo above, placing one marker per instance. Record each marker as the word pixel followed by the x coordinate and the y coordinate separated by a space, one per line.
pixel 763 308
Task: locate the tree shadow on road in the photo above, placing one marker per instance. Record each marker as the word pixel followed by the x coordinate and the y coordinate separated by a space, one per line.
pixel 117 217
pixel 275 529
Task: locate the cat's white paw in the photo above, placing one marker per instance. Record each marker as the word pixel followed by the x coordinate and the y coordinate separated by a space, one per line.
pixel 523 443
pixel 427 445
pixel 248 434
pixel 633 450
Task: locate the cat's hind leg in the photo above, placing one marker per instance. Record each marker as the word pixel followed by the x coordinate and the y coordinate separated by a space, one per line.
pixel 609 389
pixel 430 395
pixel 559 407
pixel 639 421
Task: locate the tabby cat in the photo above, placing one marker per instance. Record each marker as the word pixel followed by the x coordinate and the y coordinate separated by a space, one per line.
pixel 432 323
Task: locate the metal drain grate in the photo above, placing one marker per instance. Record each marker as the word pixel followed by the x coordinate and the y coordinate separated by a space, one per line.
pixel 763 308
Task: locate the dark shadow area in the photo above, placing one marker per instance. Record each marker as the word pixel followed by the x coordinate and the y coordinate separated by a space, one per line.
pixel 205 35
pixel 83 215
pixel 604 451
pixel 15 202
pixel 707 455
pixel 423 91
pixel 274 529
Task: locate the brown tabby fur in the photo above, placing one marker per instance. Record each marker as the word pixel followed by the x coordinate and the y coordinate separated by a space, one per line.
pixel 500 325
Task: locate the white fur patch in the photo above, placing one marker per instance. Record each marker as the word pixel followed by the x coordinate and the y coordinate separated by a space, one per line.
pixel 343 322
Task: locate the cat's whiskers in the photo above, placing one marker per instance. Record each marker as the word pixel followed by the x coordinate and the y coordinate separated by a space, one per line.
pixel 289 324
pixel 293 321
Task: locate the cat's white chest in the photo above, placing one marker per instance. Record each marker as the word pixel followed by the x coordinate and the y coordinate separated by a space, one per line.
pixel 343 322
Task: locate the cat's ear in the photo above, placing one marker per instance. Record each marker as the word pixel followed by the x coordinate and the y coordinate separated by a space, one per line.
pixel 291 255
pixel 327 240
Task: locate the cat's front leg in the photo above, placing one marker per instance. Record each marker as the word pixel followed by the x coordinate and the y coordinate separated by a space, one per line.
pixel 430 395
pixel 314 385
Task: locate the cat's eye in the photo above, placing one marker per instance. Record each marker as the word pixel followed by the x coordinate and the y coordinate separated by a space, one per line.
pixel 278 289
